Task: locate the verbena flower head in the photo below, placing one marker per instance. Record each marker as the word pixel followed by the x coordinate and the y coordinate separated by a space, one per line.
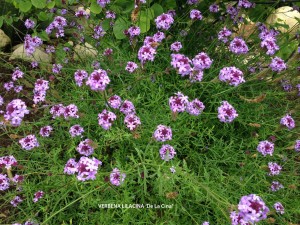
pixel 164 21
pixel 80 76
pixel 132 121
pixel 29 24
pixel 8 85
pixel 274 168
pixel 17 74
pixel 226 112
pixel 103 3
pixel 98 32
pixel 196 75
pixel 202 61
pixel 277 64
pixel 87 168
pixel 114 101
pixel 275 186
pixel 288 121
pixel 167 152
pixel 205 223
pixel 57 110
pixel 31 43
pixel 71 111
pixel 195 107
pixel 146 53
pixel 81 12
pixel 269 42
pixel 178 102
pixel 163 133
pixel 16 201
pixel 131 67
pixel 106 118
pixel 17 179
pixel 38 195
pixel 224 34
pixel 245 4
pixel 176 46
pixel 279 208
pixel 58 24
pixel 116 177
pixel 46 131
pixel 76 130
pixel 195 14
pixel 71 167
pixel 110 14
pixel 127 107
pixel 181 63
pixel 266 148
pixel 85 148
pixel 214 8
pixel 8 161
pixel 98 80
pixel 297 146
pixel 231 75
pixel 238 46
pixel 4 182
pixel 173 169
pixel 192 2
pixel 159 36
pixel 29 142
pixel 134 31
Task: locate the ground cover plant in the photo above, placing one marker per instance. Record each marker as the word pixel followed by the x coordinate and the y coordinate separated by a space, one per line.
pixel 150 112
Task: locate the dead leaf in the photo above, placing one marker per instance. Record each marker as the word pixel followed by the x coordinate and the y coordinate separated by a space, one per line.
pixel 254 125
pixel 172 195
pixel 254 100
pixel 15 136
pixel 92 144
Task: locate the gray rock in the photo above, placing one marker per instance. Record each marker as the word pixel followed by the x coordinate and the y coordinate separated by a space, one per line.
pixel 4 39
pixel 38 55
pixel 83 52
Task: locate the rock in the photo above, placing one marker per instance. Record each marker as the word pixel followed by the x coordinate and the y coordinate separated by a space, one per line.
pixel 285 15
pixel 246 29
pixel 82 52
pixel 38 55
pixel 4 39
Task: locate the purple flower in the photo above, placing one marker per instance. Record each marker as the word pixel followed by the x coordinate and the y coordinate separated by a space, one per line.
pixel 34 64
pixel 277 64
pixel 46 131
pixel 57 110
pixel 31 43
pixel 114 101
pixel 274 168
pixel 205 223
pixel 279 207
pixel 87 168
pixel 226 112
pixel 134 31
pixel 132 121
pixel 172 169
pixel 58 23
pixel 29 24
pixel 85 148
pixel 17 179
pixel 192 2
pixel 178 102
pixel 106 118
pixel 4 182
pixel 79 76
pixel 71 111
pixel 18 89
pixel 146 53
pixel 98 80
pixel 116 178
pixel 40 88
pixel 29 142
pixel 127 107
pixel 196 75
pixel 181 63
pixel 107 51
pixel 16 201
pixel 245 4
pixel 38 195
pixel 131 67
pixel 82 13
pixel 164 21
pixel 297 146
pixel 110 14
pixel 56 68
pixel 159 36
pixel 50 49
pixel 238 46
pixel 162 133
pixel 195 107
pixel 288 121
pixel 103 3
pixel 275 186
pixel 76 130
pixel 195 14
pixel 98 32
pixel 150 41
pixel 167 152
pixel 8 85
pixel 8 161
pixel 214 8
pixel 232 75
pixel 1 100
pixel 269 42
pixel 17 74
pixel 202 61
pixel 71 167
pixel 265 148
pixel 176 46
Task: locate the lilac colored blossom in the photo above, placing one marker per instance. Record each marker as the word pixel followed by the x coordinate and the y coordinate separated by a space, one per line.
pixel 245 4
pixel 16 201
pixel 8 161
pixel 265 148
pixel 103 3
pixel 106 118
pixel 63 11
pixel 131 67
pixel 232 75
pixel 85 148
pixel 159 36
pixel 176 46
pixel 178 102
pixel 110 14
pixel 162 133
pixel 150 41
pixel 38 195
pixel 40 88
pixel 192 2
pixel 286 85
pixel 172 12
pixel 30 222
pixel 8 85
pixel 29 142
pixel 269 42
pixel 108 52
pixel 31 43
pixel 202 61
pixel 17 179
pixel 59 23
pixel 98 80
pixel 56 68
pixel 18 88
pixel 1 100
pixel 46 131
pixel 96 65
pixel 57 110
pixel 114 101
pixel 274 168
pixel 214 8
pixel 132 121
pixel 29 24
pixel 181 63
pixel 167 152
pixel 297 146
pixel 237 219
pixel 275 186
pixel 288 121
pixel 226 112
pixel 4 182
pixel 172 169
pixel 277 64
pixel 205 223
pixel 15 111
pixel 98 32
pixel 76 130
pixel 195 107
pixel 279 208
pixel 82 13
pixel 80 76
pixel 87 168
pixel 164 21
pixel 50 49
pixel 238 46
pixel 232 11
pixel 196 75
pixel 127 107
pixel 116 178
pixel 71 167
pixel 134 31
pixel 195 14
pixel 17 74
pixel 71 111
pixel 146 53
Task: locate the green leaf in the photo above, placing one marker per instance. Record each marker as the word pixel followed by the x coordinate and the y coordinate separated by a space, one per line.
pixel 106 24
pixel 25 6
pixel 157 9
pixel 119 27
pixel 43 16
pixel 95 8
pixel 144 20
pixel 44 36
pixel 40 4
pixel 169 4
pixel 50 5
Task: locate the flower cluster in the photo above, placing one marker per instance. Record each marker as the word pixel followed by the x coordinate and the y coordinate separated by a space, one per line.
pixel 58 23
pixel 178 102
pixel 274 168
pixel 279 207
pixel 195 14
pixel 288 121
pixel 297 146
pixel 31 43
pixel 85 148
pixel 127 107
pixel 131 67
pixel 40 88
pixel 134 31
pixel 277 64
pixel 146 53
pixel 202 61
pixel 238 46
pixel 56 68
pixel 80 76
pixel 4 182
pixel 29 24
pixel 116 177
pixel 167 152
pixel 195 107
pixel 231 75
pixel 132 121
pixel 29 142
pixel 268 39
pixel 252 209
pixel 265 148
pixel 103 3
pixel 224 34
pixel 67 112
pixel 16 201
pixel 226 112
pixel 15 112
pixel 214 8
pixel 8 161
pixel 38 195
pixel 46 131
pixel 17 74
pixel 106 118
pixel 115 101
pixel 176 46
pixel 76 130
pixel 275 186
pixel 98 32
pixel 82 13
pixel 98 80
pixel 162 133
pixel 164 21
pixel 245 4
